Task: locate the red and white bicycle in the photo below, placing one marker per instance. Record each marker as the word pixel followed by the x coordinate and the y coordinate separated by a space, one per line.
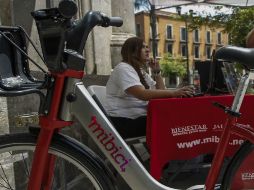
pixel 50 160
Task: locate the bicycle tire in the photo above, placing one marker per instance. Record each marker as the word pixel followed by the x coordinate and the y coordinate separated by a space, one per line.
pixel 84 169
pixel 239 175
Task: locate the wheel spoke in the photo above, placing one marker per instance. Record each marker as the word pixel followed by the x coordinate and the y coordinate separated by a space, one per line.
pixel 25 166
pixel 1 185
pixel 5 179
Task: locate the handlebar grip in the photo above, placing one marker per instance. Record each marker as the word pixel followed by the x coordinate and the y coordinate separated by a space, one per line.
pixel 110 21
pixel 116 21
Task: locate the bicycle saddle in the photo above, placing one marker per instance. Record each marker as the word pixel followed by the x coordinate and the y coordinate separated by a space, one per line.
pixel 244 56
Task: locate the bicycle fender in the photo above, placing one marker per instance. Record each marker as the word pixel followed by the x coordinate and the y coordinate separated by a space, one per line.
pixel 87 153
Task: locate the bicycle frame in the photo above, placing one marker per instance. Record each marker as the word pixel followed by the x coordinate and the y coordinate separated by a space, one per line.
pixel 97 125
pixel 81 105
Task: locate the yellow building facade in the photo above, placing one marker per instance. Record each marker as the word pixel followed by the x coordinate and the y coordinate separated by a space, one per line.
pixel 171 37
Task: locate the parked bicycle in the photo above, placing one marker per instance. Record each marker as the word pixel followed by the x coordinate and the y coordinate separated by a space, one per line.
pixel 46 159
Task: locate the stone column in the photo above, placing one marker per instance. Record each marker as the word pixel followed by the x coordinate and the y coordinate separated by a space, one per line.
pixel 4 122
pixel 124 9
pixel 6 12
pixel 97 51
pixel 30 26
pixel 89 48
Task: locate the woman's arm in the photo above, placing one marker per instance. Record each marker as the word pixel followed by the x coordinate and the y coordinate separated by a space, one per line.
pixel 156 73
pixel 159 82
pixel 147 94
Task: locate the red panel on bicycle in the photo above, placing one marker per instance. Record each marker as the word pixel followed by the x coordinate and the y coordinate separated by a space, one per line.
pixel 181 129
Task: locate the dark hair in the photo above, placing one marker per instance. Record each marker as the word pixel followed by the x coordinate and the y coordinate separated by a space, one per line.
pixel 131 54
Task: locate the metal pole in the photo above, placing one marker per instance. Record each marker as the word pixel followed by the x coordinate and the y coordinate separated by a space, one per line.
pixel 178 9
pixel 187 50
pixel 153 27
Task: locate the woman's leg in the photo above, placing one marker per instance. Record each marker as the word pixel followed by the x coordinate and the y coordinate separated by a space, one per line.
pixel 129 128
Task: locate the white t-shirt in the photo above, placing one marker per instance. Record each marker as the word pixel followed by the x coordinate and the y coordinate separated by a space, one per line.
pixel 119 103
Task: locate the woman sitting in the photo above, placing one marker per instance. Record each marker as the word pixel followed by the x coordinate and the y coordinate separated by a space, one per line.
pixel 130 87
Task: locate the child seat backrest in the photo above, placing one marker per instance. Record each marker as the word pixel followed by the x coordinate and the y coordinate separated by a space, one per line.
pixel 14 65
pixel 12 61
pixel 6 58
pixel 99 95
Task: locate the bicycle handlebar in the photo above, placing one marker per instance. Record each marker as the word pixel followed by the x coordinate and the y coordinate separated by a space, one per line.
pixel 77 36
pixel 111 21
pixel 57 32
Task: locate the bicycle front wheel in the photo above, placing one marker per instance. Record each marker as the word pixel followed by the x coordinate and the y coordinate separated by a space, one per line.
pixel 73 169
pixel 239 174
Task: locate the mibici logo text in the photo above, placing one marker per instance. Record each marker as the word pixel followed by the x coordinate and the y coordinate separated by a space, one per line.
pixel 108 141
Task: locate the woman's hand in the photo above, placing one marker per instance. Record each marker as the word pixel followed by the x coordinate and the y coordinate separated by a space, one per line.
pixel 186 91
pixel 154 65
pixel 141 93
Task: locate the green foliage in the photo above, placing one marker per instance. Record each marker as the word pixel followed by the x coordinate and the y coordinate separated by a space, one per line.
pixel 171 66
pixel 237 24
pixel 241 22
pixel 250 90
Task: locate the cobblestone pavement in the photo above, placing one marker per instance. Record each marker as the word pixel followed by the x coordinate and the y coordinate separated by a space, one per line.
pixel 4 124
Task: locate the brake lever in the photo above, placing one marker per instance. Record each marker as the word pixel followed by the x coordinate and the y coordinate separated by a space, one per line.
pixel 227 109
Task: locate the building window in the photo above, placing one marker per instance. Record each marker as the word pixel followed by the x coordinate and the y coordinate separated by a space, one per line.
pixel 183 34
pixel 208 52
pixel 183 50
pixel 219 38
pixel 169 48
pixel 169 32
pixel 208 37
pixel 196 52
pixel 196 35
pixel 138 30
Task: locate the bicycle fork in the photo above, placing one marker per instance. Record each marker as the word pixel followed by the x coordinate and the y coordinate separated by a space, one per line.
pixel 43 163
